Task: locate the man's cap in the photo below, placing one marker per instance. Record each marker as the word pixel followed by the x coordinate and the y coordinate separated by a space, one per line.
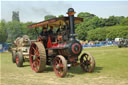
pixel 51 26
pixel 44 28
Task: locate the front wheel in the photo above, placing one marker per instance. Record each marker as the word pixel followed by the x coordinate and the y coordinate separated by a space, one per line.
pixel 60 66
pixel 14 56
pixel 87 62
pixel 19 59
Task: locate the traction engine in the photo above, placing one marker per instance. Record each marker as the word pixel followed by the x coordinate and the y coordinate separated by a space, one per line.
pixel 61 54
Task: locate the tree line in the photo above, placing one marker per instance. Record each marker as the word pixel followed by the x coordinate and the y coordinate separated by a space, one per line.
pixel 92 27
pixel 95 28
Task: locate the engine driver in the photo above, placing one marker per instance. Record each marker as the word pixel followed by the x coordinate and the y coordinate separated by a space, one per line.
pixel 51 34
pixel 44 36
pixel 51 30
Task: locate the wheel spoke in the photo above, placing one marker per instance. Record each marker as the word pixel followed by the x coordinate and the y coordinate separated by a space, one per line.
pixel 36 52
pixel 86 56
pixel 35 66
pixel 36 60
pixel 31 55
pixel 60 64
pixel 33 48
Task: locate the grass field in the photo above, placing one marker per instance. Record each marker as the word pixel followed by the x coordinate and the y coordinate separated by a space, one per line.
pixel 111 69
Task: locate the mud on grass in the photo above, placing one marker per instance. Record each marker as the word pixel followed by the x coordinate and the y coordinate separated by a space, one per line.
pixel 111 69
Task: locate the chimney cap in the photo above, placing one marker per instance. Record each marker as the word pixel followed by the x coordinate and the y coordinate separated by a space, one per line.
pixel 70 10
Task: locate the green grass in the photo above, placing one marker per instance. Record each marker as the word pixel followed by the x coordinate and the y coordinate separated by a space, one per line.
pixel 111 69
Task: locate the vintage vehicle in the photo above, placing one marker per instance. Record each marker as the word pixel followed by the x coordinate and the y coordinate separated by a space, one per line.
pixel 20 53
pixel 123 43
pixel 63 51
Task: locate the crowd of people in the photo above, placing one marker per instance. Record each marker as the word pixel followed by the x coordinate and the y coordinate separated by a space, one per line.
pixel 97 43
pixel 60 35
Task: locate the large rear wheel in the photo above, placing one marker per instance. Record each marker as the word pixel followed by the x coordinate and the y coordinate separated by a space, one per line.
pixel 37 57
pixel 60 66
pixel 87 62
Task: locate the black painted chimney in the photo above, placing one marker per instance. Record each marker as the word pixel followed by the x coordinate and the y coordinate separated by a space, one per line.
pixel 71 23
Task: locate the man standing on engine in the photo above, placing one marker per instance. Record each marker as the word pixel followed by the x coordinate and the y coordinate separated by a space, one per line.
pixel 44 36
pixel 51 30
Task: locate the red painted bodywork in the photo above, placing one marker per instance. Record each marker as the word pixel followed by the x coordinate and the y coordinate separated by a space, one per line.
pixel 54 45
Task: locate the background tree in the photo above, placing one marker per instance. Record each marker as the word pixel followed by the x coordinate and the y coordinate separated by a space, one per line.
pixel 14 30
pixel 81 32
pixel 3 32
pixel 97 34
pixel 111 32
pixel 15 16
pixel 89 23
pixel 113 20
pixel 85 15
pixel 124 21
pixel 30 32
pixel 47 17
pixel 61 15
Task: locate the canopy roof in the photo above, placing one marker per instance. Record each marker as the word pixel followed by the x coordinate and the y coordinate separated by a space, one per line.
pixel 55 22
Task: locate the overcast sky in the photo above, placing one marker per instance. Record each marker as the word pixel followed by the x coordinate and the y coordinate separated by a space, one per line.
pixel 36 10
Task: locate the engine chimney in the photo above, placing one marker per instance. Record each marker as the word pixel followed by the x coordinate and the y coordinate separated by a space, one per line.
pixel 71 23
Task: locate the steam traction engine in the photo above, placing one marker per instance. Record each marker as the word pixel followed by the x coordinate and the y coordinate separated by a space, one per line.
pixel 64 51
pixel 20 53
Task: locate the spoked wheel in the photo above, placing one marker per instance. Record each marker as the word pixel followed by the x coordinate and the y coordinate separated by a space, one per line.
pixel 37 57
pixel 60 66
pixel 87 62
pixel 19 59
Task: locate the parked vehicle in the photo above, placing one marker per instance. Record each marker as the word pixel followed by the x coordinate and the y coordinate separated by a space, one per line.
pixel 123 43
pixel 118 39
